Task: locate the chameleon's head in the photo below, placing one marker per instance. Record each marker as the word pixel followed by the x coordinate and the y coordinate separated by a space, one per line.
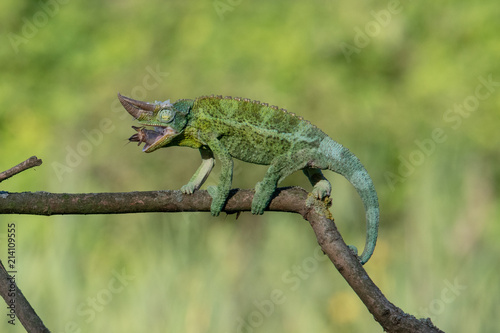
pixel 167 122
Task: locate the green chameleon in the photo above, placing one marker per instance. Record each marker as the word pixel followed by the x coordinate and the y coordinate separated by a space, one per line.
pixel 257 133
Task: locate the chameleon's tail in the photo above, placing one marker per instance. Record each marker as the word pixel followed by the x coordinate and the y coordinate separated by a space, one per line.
pixel 339 159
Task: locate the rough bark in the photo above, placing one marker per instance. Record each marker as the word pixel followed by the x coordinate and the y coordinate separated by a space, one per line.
pixel 294 200
pixel 26 314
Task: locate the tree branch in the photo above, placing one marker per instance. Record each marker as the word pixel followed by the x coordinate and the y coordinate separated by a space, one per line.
pixel 29 163
pixel 16 300
pixel 390 317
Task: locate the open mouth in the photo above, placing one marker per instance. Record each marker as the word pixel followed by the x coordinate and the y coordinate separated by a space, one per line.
pixel 153 138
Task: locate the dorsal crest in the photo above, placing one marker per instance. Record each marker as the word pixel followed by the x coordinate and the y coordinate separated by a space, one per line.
pixel 255 103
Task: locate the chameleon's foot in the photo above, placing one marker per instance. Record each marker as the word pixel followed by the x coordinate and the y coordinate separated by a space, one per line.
pixel 217 203
pixel 189 188
pixel 258 208
pixel 260 199
pixel 214 211
pixel 312 197
pixel 322 189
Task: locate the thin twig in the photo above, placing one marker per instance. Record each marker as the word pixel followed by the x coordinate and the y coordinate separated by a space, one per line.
pixel 29 163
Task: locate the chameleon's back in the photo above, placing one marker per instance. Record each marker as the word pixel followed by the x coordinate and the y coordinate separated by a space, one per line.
pixel 252 131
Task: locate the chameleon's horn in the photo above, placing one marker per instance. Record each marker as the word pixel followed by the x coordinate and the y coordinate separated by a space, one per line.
pixel 136 108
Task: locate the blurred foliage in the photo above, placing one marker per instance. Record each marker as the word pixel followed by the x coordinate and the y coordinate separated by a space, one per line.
pixel 416 65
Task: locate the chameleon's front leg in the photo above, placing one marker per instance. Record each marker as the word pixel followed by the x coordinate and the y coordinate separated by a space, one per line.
pixel 199 177
pixel 220 192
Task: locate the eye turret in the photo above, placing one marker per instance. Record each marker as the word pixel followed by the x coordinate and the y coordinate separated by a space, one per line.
pixel 166 115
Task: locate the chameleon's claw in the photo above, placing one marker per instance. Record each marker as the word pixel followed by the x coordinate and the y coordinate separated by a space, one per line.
pixel 260 200
pixel 316 194
pixel 258 206
pixel 322 189
pixel 188 188
pixel 216 206
pixel 257 210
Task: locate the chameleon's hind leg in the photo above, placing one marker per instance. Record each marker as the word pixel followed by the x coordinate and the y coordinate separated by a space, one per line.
pixel 281 167
pixel 321 186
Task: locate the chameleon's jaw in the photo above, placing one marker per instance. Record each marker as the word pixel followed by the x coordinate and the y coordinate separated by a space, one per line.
pixel 153 139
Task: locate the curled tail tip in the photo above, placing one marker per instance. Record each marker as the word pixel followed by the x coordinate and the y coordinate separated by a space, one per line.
pixel 363 258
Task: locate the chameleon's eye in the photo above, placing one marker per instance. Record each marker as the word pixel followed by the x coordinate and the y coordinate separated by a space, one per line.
pixel 166 116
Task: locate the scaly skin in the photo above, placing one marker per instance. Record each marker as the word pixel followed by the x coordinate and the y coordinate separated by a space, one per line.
pixel 257 133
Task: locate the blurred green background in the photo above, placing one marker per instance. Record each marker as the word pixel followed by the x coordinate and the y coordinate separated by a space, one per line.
pixel 412 88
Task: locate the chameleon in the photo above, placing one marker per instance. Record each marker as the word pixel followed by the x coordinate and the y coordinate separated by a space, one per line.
pixel 254 132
